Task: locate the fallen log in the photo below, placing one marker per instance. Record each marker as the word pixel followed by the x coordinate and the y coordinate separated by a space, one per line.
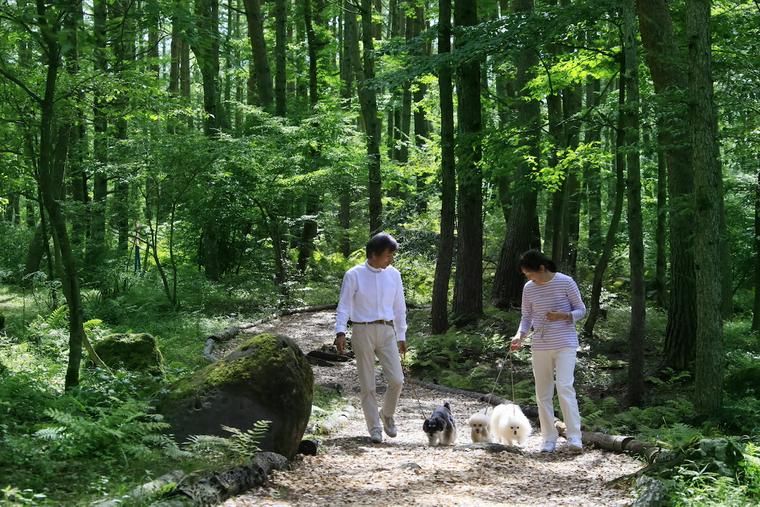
pixel 145 491
pixel 215 487
pixel 328 356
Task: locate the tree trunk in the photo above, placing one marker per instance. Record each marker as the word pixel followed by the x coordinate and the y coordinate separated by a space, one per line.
pixel 439 310
pixel 280 53
pixel 206 49
pixel 635 221
pixel 368 102
pixel 708 187
pixel 593 178
pixel 553 225
pixel 421 123
pixel 610 241
pixel 520 235
pixel 124 51
pixel 53 148
pixel 662 219
pixel 756 308
pixel 311 43
pixel 96 248
pixel 468 282
pixel 571 201
pixel 665 61
pixel 262 74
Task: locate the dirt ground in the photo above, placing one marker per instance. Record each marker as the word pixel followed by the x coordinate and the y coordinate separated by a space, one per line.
pixel 350 470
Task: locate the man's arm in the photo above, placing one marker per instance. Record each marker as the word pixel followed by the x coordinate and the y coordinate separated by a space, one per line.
pixel 343 313
pixel 399 310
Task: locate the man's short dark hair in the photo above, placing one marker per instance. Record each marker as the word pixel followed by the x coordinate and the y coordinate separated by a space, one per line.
pixel 379 243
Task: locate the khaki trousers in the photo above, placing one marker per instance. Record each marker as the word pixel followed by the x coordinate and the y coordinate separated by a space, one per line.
pixel 546 365
pixel 368 341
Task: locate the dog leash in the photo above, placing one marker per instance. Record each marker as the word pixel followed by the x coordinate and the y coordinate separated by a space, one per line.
pixel 511 377
pixel 412 383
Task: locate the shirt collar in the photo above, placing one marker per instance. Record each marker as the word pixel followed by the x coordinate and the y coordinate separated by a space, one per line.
pixel 371 268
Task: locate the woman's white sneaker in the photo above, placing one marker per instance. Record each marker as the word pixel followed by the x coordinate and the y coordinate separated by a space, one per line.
pixel 548 446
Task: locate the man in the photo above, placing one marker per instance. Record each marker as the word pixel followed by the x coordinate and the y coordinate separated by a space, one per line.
pixel 372 299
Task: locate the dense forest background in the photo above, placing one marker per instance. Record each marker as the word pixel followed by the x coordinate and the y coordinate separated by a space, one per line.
pixel 174 166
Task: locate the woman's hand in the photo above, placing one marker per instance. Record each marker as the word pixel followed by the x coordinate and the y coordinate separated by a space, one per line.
pixel 516 342
pixel 554 316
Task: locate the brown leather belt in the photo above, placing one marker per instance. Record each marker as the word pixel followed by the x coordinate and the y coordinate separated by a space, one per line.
pixel 386 322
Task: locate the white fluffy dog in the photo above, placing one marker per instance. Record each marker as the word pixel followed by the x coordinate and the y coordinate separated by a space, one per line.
pixel 509 425
pixel 479 423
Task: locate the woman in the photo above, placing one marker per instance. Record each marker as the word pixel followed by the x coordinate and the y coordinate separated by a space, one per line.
pixel 551 304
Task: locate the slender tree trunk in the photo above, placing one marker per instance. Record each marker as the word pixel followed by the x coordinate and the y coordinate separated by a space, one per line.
pixel 262 74
pixel 553 226
pixel 439 310
pixel 593 178
pixel 756 310
pixel 54 134
pixel 96 247
pixel 520 235
pixel 708 187
pixel 610 241
pixel 421 123
pixel 368 102
pixel 662 223
pixel 635 221
pixel 571 202
pixel 124 50
pixel 281 42
pixel 468 282
pixel 665 62
pixel 206 49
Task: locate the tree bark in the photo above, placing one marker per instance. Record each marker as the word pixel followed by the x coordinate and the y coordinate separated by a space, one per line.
pixel 206 49
pixel 665 62
pixel 610 241
pixel 96 248
pixel 439 310
pixel 262 74
pixel 281 42
pixel 421 123
pixel 635 221
pixel 368 101
pixel 756 308
pixel 593 178
pixel 520 235
pixel 311 43
pixel 468 281
pixel 662 223
pixel 708 187
pixel 54 137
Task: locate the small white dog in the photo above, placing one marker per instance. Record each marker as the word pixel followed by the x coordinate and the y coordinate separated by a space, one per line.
pixel 509 425
pixel 479 423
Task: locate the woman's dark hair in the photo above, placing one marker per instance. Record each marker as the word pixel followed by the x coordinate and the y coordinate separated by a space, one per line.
pixel 379 243
pixel 532 260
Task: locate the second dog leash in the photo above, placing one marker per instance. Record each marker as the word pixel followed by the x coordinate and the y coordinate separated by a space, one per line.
pixel 411 382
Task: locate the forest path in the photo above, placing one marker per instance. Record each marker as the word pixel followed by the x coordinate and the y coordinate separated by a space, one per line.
pixel 350 470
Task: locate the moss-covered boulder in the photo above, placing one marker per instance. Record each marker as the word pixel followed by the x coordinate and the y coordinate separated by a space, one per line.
pixel 266 378
pixel 131 351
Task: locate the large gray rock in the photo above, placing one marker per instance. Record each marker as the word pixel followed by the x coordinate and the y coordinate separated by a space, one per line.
pixel 131 351
pixel 265 378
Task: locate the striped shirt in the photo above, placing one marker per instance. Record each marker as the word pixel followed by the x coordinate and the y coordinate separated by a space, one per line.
pixel 559 294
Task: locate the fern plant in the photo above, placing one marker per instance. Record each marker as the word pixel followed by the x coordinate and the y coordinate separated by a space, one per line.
pixel 239 447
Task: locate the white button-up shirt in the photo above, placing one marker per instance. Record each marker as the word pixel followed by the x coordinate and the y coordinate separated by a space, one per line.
pixel 370 294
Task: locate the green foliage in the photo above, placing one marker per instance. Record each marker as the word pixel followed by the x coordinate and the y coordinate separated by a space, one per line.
pixel 238 448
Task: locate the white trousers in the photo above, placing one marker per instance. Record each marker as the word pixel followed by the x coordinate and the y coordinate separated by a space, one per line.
pixel 368 341
pixel 545 364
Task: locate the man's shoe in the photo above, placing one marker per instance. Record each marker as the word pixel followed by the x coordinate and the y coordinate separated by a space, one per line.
pixel 376 435
pixel 548 446
pixel 575 445
pixel 389 425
